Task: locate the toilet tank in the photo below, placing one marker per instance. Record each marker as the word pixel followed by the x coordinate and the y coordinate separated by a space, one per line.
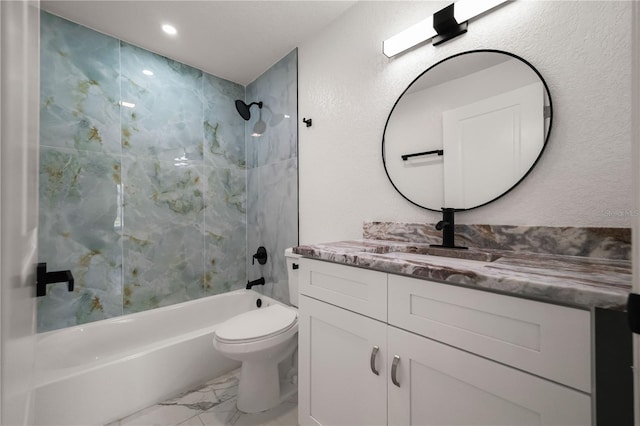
pixel 292 275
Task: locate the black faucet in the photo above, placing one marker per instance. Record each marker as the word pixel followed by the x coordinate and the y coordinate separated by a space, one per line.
pixel 259 281
pixel 447 226
pixel 260 256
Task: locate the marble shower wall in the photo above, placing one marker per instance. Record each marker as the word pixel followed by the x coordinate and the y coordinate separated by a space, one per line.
pixel 272 174
pixel 145 205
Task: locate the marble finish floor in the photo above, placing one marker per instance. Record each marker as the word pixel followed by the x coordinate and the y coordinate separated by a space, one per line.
pixel 213 404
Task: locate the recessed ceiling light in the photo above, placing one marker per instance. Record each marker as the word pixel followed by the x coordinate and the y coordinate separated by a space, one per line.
pixel 169 29
pixel 147 72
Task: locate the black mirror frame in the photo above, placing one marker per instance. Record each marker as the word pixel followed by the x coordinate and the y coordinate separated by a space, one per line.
pixel 546 140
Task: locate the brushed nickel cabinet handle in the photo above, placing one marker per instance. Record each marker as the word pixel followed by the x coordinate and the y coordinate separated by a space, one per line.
pixel 394 370
pixel 372 361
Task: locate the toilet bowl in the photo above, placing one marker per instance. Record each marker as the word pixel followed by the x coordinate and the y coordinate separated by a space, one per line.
pixel 261 339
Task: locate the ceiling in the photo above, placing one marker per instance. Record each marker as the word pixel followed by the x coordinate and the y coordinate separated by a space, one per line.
pixel 235 40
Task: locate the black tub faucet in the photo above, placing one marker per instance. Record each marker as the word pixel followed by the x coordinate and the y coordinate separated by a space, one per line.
pixel 259 281
pixel 447 226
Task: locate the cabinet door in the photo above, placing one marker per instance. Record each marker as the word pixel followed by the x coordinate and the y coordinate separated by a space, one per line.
pixel 337 383
pixel 442 385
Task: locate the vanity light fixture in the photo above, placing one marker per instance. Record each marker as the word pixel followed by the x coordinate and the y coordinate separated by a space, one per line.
pixel 444 25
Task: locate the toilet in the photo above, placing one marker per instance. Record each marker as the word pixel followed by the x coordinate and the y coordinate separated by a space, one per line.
pixel 261 339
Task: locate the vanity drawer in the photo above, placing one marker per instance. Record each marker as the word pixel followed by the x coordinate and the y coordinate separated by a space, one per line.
pixel 548 340
pixel 358 290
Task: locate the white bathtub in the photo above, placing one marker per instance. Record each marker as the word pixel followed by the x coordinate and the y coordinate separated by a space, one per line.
pixel 99 372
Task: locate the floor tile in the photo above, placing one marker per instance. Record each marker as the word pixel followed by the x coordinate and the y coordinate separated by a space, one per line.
pixel 221 415
pixel 160 415
pixel 193 421
pixel 213 404
pixel 287 417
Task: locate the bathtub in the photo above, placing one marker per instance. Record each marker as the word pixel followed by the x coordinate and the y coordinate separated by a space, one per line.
pixel 97 373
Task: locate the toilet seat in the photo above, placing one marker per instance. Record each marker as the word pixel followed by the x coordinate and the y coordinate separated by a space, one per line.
pixel 256 325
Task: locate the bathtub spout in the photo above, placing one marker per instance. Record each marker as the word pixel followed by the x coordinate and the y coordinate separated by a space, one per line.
pixel 259 281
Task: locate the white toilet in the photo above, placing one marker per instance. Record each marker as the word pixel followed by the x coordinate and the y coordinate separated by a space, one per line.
pixel 261 339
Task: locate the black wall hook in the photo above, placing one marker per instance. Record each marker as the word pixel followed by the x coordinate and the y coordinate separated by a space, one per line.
pixel 43 278
pixel 307 121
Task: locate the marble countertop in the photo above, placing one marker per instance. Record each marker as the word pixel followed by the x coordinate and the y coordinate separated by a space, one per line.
pixel 573 280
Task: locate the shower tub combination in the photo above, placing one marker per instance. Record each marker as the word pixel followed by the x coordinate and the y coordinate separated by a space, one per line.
pixel 100 372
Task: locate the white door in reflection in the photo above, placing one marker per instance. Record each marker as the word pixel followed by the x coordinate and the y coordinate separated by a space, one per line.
pixel 490 144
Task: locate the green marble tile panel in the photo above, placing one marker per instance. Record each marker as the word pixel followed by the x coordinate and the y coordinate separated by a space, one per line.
pixel 163 270
pixel 79 87
pixel 272 175
pixel 164 241
pixel 146 204
pixel 272 221
pixel 223 126
pixel 80 229
pixel 225 230
pixel 277 88
pixel 166 119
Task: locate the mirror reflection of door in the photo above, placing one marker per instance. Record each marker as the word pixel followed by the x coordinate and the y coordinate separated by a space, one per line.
pixel 490 144
pixel 486 110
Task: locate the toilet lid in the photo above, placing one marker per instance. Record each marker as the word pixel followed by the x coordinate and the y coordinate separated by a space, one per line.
pixel 257 324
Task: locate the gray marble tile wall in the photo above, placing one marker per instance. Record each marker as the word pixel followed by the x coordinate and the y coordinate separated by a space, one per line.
pixel 272 174
pixel 145 204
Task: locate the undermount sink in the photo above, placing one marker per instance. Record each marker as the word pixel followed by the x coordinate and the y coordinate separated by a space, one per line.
pixel 471 254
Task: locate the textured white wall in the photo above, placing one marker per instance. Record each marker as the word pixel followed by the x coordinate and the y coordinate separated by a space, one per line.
pixel 582 49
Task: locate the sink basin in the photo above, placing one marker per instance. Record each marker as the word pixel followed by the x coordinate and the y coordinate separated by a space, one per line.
pixel 471 254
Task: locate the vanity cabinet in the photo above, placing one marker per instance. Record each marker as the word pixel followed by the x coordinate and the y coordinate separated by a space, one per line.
pixel 435 354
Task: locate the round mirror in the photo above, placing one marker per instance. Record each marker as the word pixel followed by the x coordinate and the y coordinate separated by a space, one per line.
pixel 467 130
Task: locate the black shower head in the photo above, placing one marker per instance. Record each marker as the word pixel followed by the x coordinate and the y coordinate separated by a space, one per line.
pixel 243 109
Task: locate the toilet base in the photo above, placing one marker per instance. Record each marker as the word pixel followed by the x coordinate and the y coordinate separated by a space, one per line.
pixel 260 388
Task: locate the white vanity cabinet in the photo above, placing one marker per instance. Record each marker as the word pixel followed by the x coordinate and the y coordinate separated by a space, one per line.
pixel 461 356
